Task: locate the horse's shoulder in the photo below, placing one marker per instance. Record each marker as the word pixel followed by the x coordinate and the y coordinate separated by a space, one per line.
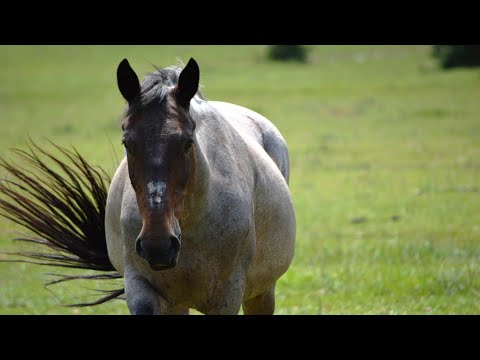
pixel 118 181
pixel 113 215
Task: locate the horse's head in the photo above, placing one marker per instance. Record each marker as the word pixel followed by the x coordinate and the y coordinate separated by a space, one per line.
pixel 158 137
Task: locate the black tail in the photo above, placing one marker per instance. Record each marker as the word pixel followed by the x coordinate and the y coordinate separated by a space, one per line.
pixel 62 204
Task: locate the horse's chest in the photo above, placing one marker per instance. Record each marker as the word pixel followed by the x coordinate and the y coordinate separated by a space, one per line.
pixel 220 241
pixel 227 216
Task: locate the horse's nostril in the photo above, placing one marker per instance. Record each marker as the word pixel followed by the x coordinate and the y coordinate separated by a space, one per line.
pixel 174 243
pixel 160 255
pixel 149 251
pixel 139 248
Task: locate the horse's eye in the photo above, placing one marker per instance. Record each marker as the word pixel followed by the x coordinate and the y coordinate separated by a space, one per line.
pixel 188 145
pixel 125 145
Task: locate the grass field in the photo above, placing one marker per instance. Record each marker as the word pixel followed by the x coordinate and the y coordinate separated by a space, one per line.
pixel 385 165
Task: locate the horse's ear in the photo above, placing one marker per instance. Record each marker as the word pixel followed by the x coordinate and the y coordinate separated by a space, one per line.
pixel 127 81
pixel 188 83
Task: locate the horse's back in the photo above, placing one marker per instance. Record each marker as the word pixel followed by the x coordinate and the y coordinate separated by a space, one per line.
pixel 252 124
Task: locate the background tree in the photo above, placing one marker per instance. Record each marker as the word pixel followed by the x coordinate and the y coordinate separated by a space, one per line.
pixel 288 53
pixel 457 55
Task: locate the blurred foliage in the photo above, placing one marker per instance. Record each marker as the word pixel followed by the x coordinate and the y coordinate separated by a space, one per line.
pixel 457 55
pixel 288 53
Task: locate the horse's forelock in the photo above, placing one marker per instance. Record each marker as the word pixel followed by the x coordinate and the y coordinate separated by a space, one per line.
pixel 156 85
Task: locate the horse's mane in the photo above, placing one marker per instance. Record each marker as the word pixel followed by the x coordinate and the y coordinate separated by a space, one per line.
pixel 155 85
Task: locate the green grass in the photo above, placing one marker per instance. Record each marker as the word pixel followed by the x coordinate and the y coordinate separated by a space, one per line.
pixel 385 165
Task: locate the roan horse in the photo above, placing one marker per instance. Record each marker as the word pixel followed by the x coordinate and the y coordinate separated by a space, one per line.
pixel 199 213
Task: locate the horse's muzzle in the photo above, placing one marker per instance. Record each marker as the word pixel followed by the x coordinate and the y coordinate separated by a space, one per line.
pixel 159 255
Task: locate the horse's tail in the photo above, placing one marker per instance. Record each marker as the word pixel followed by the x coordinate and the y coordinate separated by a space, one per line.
pixel 62 205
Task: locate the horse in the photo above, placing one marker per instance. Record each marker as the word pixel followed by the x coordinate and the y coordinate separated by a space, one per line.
pixel 198 214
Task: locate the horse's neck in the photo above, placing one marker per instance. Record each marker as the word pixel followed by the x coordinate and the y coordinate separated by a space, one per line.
pixel 214 135
pixel 197 189
pixel 211 136
pixel 202 171
pixel 200 110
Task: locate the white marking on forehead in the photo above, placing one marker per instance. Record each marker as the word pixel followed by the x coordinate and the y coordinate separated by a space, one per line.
pixel 156 186
pixel 156 191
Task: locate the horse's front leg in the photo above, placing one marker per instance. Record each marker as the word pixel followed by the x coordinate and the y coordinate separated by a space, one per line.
pixel 142 299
